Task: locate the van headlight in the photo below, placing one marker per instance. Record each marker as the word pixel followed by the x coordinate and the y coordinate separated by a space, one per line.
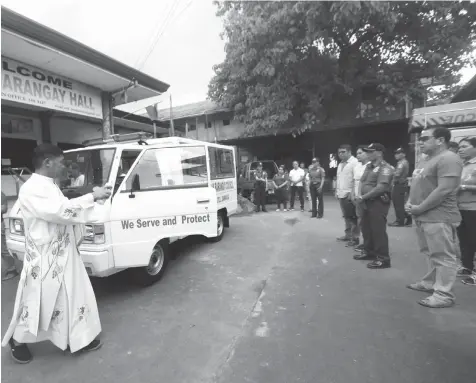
pixel 95 234
pixel 16 226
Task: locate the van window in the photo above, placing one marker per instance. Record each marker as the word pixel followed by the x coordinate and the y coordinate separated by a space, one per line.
pixel 167 168
pixel 87 168
pixel 221 163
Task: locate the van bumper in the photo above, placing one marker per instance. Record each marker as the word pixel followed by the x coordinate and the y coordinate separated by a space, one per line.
pixel 97 263
pixel 16 248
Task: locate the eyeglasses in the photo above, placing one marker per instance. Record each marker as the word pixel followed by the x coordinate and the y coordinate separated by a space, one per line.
pixel 424 138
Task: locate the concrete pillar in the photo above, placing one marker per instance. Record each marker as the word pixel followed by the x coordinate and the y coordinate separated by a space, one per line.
pixel 186 129
pixel 107 118
pixel 45 118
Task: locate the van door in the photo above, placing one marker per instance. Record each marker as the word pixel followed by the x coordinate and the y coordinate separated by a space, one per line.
pixel 164 195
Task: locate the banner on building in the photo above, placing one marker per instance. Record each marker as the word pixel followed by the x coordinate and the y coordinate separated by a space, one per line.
pixel 33 86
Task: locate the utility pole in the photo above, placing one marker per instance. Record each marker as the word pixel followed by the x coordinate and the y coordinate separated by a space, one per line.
pixel 107 119
pixel 172 132
pixel 196 125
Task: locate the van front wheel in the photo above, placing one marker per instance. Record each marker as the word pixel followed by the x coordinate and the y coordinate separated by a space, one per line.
pixel 220 227
pixel 154 271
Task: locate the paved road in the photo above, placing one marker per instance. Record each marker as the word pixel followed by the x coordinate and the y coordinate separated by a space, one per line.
pixel 277 301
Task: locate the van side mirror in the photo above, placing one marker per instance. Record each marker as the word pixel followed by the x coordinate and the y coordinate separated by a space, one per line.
pixel 135 185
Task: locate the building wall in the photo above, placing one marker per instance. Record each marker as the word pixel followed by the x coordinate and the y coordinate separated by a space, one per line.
pixel 30 129
pixel 362 107
pixel 73 131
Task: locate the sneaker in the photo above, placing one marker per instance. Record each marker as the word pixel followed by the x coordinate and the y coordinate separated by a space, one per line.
pixel 343 239
pixel 285 210
pixel 470 281
pixel 292 209
pixel 20 352
pixel 418 286
pixel 396 224
pixel 463 272
pixel 435 303
pixel 278 209
pixel 359 247
pixel 302 210
pixel 378 265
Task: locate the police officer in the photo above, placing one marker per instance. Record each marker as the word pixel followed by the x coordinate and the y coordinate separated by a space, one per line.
pixel 400 189
pixel 375 186
pixel 316 182
pixel 260 188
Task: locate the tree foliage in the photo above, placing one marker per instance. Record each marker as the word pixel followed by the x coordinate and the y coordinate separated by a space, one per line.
pixel 287 62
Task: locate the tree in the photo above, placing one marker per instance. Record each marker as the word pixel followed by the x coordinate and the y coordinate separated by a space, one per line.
pixel 288 62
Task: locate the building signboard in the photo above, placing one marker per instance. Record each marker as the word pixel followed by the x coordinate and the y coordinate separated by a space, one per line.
pixel 33 86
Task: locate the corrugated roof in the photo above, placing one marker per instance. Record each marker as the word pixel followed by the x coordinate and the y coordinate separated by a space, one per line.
pixel 191 110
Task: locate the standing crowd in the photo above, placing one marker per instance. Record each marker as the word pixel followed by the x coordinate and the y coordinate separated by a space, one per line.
pixel 441 200
pixel 299 183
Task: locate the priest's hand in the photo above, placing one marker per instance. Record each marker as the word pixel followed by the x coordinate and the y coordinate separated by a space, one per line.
pixel 101 193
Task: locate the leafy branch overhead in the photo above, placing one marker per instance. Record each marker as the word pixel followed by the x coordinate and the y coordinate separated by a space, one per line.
pixel 289 63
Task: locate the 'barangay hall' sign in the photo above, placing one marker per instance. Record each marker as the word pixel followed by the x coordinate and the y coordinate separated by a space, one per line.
pixel 29 85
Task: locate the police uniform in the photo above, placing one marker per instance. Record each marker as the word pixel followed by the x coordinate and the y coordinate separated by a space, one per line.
pixel 260 189
pixel 400 189
pixel 375 187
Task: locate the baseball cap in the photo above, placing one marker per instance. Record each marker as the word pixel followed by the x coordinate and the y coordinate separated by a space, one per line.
pixel 400 150
pixel 374 147
pixel 260 164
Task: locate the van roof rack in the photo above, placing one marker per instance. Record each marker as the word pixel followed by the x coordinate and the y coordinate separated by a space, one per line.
pixel 140 137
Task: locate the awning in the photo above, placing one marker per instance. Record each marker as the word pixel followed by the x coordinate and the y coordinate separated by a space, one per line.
pixel 452 115
pixel 32 43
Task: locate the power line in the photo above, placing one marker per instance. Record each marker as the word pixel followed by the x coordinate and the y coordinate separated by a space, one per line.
pixel 159 33
pixel 164 29
pixel 155 31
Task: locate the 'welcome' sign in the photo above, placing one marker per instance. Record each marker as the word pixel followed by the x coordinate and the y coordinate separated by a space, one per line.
pixel 29 85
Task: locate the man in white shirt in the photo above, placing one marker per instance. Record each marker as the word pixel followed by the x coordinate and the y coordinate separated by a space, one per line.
pixel 358 171
pixel 77 179
pixel 344 188
pixel 296 178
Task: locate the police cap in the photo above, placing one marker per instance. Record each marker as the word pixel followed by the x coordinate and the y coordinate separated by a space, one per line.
pixel 400 151
pixel 374 147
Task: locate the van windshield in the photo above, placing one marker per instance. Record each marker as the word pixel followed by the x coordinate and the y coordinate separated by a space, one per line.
pixel 85 170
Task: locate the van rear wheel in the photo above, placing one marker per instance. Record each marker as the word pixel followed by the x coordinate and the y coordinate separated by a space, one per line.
pixel 154 271
pixel 220 227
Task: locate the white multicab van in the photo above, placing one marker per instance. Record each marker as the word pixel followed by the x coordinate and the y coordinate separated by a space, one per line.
pixel 164 189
